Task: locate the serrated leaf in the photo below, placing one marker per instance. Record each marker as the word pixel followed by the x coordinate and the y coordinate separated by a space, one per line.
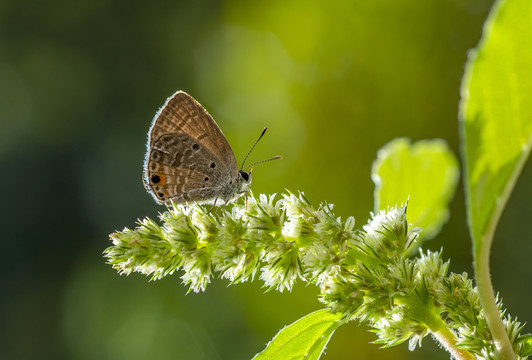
pixel 496 114
pixel 304 339
pixel 425 173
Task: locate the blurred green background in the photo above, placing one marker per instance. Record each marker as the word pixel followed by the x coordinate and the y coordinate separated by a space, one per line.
pixel 334 81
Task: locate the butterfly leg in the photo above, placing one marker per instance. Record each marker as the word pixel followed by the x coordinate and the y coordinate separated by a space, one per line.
pixel 225 204
pixel 213 205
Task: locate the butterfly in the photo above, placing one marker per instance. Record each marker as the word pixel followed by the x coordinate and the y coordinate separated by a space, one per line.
pixel 188 158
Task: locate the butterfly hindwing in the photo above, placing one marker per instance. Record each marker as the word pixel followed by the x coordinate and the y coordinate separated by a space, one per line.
pixel 177 165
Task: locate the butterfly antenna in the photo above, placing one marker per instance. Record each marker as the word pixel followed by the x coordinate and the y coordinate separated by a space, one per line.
pixel 260 137
pixel 260 162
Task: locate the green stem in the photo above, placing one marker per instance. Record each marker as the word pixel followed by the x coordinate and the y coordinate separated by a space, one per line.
pixel 446 337
pixel 487 296
pixel 489 305
pixel 424 311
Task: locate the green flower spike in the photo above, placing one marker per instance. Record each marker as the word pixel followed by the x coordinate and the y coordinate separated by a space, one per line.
pixel 363 274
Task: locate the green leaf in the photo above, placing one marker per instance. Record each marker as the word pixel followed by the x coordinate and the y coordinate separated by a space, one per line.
pixel 496 130
pixel 425 173
pixel 496 113
pixel 304 339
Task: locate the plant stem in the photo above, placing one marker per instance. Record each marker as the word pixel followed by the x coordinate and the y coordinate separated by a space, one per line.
pixel 488 301
pixel 489 305
pixel 448 340
pixel 428 314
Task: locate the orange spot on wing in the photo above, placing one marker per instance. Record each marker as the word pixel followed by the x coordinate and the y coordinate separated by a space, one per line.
pixel 163 179
pixel 157 179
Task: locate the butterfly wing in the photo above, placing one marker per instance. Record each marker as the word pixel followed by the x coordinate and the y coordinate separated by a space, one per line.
pixel 188 157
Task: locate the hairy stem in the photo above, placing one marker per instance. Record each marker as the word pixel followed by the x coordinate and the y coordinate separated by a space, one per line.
pixel 448 340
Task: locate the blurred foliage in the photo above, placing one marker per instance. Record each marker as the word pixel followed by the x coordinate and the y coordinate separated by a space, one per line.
pixel 424 175
pixel 333 81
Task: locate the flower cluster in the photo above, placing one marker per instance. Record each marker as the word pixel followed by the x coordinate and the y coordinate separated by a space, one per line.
pixel 364 274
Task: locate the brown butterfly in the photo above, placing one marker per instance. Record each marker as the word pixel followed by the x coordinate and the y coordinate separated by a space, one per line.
pixel 189 159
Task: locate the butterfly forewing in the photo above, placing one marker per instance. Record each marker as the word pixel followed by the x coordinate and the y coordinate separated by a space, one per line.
pixel 188 157
pixel 182 114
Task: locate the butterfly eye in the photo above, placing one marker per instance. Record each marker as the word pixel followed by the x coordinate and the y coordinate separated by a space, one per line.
pixel 245 175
